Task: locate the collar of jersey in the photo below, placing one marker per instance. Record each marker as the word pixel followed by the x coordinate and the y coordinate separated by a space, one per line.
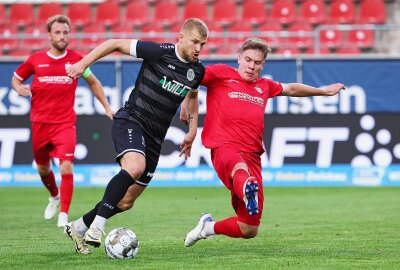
pixel 57 57
pixel 177 54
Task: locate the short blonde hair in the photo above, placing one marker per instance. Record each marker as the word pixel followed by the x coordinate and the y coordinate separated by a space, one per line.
pixel 57 18
pixel 256 44
pixel 195 23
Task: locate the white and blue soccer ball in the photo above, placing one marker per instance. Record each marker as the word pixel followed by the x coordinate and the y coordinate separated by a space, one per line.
pixel 121 243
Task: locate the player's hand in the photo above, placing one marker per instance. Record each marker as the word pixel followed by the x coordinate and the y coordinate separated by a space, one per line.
pixel 183 116
pixel 76 70
pixel 333 89
pixel 24 90
pixel 186 145
pixel 110 113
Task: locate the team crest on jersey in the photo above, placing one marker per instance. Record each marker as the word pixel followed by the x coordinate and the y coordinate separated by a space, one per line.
pixel 67 65
pixel 190 74
pixel 258 89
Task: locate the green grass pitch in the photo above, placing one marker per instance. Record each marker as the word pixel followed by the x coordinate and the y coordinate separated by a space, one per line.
pixel 302 228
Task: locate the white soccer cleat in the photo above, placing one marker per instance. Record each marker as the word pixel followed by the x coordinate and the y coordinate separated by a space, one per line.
pixel 93 236
pixel 52 208
pixel 79 241
pixel 198 232
pixel 62 220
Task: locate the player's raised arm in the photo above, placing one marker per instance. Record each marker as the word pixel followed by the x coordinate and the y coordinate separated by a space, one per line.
pixel 303 90
pixel 105 48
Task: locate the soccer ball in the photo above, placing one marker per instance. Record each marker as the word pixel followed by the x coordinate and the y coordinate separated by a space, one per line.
pixel 121 243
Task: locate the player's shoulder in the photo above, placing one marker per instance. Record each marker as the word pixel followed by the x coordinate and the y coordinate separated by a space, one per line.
pixel 73 54
pixel 221 70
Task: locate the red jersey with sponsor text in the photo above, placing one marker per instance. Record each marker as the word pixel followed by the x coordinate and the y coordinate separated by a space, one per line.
pixel 53 92
pixel 235 108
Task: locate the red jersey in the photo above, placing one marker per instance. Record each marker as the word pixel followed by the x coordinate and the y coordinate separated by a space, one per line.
pixel 235 108
pixel 53 92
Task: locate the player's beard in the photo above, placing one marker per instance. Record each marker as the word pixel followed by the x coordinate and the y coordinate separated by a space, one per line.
pixel 189 57
pixel 60 46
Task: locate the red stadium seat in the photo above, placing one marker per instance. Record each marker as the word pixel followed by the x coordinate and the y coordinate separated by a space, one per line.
pixel 137 14
pixel 288 52
pixel 195 9
pixel 270 33
pixel 48 10
pixel 331 38
pixel 224 13
pixel 348 50
pixel 94 35
pixel 166 14
pixel 2 15
pixel 36 38
pixel 108 14
pixel 362 38
pixel 283 11
pixel 322 50
pixel 239 32
pixel 254 12
pixel 313 11
pixel 20 52
pixel 21 15
pixel 304 38
pixel 372 11
pixel 8 38
pixel 122 31
pixel 216 36
pixel 80 14
pixel 154 33
pixel 342 11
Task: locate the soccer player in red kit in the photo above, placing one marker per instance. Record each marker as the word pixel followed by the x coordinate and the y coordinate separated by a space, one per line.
pixel 233 128
pixel 52 112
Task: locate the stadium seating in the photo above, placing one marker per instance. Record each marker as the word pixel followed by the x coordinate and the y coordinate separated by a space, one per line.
pixel 195 9
pixel 283 11
pixel 270 33
pixel 122 31
pixel 80 14
pixel 2 15
pixel 216 37
pixel 288 52
pixel 361 38
pixel 48 10
pixel 348 50
pixel 36 37
pixel 8 38
pixel 166 14
pixel 21 15
pixel 239 33
pixel 331 38
pixel 313 11
pixel 137 14
pixel 108 14
pixel 342 11
pixel 94 35
pixel 304 38
pixel 372 11
pixel 224 13
pixel 153 32
pixel 254 12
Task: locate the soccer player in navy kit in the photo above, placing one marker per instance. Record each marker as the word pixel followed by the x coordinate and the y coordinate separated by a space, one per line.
pixel 168 74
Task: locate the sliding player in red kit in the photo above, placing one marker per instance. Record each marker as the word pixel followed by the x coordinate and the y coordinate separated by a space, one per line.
pixel 52 112
pixel 233 129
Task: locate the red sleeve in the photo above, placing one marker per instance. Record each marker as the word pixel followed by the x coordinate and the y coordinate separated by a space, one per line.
pixel 211 74
pixel 276 88
pixel 25 70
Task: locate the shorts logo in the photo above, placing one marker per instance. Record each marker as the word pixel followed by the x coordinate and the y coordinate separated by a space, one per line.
pixel 150 174
pixel 190 74
pixel 143 142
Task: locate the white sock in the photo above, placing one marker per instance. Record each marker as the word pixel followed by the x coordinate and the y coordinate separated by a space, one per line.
pixel 99 222
pixel 209 228
pixel 80 227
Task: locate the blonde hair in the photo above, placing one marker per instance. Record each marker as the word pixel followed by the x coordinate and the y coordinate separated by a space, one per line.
pixel 59 19
pixel 195 23
pixel 256 44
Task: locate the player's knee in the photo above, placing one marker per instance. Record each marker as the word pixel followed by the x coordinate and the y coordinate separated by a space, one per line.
pixel 125 205
pixel 66 167
pixel 43 170
pixel 249 232
pixel 135 171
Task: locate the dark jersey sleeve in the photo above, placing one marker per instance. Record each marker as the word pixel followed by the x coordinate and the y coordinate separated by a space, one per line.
pixel 151 51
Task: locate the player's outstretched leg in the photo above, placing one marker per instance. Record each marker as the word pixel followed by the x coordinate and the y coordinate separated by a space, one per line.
pixel 198 232
pixel 93 236
pixel 52 208
pixel 250 191
pixel 79 241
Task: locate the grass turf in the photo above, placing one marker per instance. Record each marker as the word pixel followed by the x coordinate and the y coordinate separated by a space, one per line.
pixel 302 228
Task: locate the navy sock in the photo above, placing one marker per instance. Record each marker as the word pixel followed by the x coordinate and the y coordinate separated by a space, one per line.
pixel 115 191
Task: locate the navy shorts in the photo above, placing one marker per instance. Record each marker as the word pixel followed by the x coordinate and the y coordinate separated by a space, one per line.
pixel 128 136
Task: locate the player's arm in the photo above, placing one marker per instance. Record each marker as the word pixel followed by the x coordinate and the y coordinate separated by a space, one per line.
pixel 22 89
pixel 303 90
pixel 97 89
pixel 192 108
pixel 105 48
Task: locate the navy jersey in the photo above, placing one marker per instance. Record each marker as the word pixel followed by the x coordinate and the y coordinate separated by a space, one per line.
pixel 163 81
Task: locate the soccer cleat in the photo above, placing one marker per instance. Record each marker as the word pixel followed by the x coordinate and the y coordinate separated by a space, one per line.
pixel 52 208
pixel 79 241
pixel 62 219
pixel 93 236
pixel 250 195
pixel 198 232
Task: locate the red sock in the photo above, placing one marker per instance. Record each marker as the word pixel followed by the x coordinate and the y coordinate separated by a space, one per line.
pixel 228 227
pixel 239 178
pixel 66 190
pixel 49 181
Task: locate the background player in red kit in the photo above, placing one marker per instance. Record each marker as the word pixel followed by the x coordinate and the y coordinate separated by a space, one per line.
pixel 52 111
pixel 233 128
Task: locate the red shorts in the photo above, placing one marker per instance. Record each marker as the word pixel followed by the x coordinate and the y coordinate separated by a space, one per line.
pixel 224 160
pixel 53 140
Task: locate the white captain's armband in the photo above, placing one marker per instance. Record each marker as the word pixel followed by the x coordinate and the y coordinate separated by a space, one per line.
pixel 284 87
pixel 132 48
